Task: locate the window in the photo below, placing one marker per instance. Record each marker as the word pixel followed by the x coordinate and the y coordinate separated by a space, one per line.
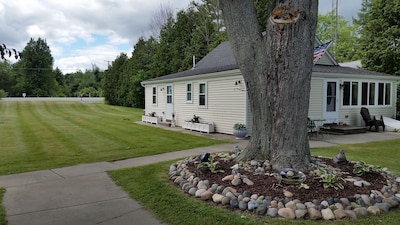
pixel 372 93
pixel 189 93
pixel 169 94
pixel 154 95
pixel 387 93
pixel 203 94
pixel 350 93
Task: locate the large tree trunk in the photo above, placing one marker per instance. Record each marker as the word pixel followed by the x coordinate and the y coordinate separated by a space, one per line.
pixel 276 67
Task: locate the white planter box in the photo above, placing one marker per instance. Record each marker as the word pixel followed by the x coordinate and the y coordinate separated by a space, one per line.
pixel 151 119
pixel 202 127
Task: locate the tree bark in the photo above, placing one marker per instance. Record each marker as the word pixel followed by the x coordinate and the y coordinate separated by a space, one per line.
pixel 276 66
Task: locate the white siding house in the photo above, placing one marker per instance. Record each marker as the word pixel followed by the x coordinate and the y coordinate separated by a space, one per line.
pixel 215 91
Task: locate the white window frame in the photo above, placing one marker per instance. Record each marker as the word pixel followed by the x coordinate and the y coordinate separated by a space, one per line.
pixel 189 92
pixel 201 94
pixel 154 97
pixel 368 93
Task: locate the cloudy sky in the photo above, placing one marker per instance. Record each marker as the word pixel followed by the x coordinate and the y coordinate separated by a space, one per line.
pixel 81 33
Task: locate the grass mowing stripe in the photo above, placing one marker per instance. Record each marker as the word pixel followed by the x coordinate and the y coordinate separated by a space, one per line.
pixel 97 132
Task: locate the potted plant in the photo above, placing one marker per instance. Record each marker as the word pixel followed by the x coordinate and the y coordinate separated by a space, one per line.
pixel 239 130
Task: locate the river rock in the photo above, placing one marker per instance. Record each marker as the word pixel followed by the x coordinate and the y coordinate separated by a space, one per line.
pixel 391 202
pixel 217 198
pixel 374 210
pixel 207 195
pixel 228 178
pixel 300 213
pixel 236 181
pixel 314 213
pixel 262 209
pixel 192 191
pixel 339 214
pixel 286 213
pixel 252 204
pixel 361 211
pixel 351 214
pixel 199 192
pixel 225 200
pixel 242 205
pixel 327 214
pixel 287 193
pixel 383 206
pixel 248 181
pixel 272 212
pixel 234 203
pixel 291 205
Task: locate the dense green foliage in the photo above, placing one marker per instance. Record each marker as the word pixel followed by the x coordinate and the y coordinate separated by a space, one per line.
pixel 193 32
pixel 347 48
pixel 34 75
pixel 380 28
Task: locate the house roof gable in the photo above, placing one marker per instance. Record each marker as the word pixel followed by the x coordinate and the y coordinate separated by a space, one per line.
pixel 221 59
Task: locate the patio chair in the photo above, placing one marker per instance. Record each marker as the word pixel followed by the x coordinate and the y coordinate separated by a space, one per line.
pixel 371 122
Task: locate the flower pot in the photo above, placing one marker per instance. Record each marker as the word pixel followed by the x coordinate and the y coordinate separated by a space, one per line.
pixel 240 133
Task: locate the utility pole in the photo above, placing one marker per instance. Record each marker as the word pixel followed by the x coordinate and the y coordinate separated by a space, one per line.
pixel 335 9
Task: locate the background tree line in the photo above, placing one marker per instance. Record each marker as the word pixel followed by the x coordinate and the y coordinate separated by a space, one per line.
pixel 195 31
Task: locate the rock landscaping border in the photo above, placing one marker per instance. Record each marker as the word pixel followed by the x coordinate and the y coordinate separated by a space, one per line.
pixel 354 207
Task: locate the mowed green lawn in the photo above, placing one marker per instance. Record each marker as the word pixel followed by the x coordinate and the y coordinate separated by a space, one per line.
pixel 41 135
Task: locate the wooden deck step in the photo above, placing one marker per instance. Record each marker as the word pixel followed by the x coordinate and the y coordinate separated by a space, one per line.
pixel 341 129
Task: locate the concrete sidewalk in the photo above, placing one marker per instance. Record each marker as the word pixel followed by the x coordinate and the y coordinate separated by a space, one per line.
pixel 85 195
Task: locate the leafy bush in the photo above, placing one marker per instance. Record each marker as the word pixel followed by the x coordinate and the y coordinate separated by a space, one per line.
pixel 3 94
pixel 361 168
pixel 330 179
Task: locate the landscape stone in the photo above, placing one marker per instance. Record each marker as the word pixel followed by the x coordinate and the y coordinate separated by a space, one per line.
pixel 286 213
pixel 217 198
pixel 199 192
pixel 383 206
pixel 287 193
pixel 300 206
pixel 236 181
pixel 230 195
pixel 192 191
pixel 272 212
pixel 361 211
pixel 374 210
pixel 242 205
pixel 291 205
pixel 225 200
pixel 339 206
pixel 248 181
pixel 345 201
pixel 234 203
pixel 366 199
pixel 314 214
pixel 391 202
pixel 300 213
pixel 351 214
pixel 262 209
pixel 207 195
pixel 327 214
pixel 339 214
pixel 252 204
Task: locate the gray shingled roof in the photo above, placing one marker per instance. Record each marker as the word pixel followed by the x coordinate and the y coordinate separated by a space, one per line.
pixel 222 59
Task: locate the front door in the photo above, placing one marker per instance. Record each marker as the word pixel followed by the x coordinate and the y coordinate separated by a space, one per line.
pixel 170 106
pixel 331 101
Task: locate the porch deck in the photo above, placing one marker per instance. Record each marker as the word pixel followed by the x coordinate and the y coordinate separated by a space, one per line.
pixel 342 129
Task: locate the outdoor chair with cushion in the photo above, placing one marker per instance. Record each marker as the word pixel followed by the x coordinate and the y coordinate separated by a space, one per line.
pixel 371 122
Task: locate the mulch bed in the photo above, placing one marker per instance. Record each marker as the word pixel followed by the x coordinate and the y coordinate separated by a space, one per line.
pixel 268 186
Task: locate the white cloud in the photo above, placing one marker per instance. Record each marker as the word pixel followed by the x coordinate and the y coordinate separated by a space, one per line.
pixel 72 28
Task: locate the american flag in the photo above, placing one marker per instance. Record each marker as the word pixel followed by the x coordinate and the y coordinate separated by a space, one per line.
pixel 320 50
